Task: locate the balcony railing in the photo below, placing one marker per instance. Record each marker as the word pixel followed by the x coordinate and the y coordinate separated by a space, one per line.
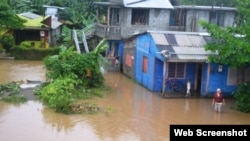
pixel 105 31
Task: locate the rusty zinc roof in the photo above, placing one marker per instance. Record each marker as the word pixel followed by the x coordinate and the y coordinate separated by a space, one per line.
pixel 182 46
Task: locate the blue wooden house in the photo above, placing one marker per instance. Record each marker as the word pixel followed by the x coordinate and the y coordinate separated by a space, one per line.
pixel 158 59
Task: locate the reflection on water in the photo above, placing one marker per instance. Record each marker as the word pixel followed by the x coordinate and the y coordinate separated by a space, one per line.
pixel 138 115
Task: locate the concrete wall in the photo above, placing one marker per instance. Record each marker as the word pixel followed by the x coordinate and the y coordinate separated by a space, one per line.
pixel 201 14
pixel 158 20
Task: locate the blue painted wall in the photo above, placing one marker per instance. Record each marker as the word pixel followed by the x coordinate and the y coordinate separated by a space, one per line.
pixel 118 45
pixel 158 75
pixel 142 49
pixel 219 80
pixel 204 80
pixel 152 80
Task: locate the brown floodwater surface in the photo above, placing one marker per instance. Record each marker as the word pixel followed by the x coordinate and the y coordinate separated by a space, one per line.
pixel 15 70
pixel 136 114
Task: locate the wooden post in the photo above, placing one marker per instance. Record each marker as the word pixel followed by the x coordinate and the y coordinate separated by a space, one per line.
pixel 163 81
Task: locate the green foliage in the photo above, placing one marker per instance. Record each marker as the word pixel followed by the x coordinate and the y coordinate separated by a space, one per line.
pixel 8 18
pixel 102 46
pixel 25 44
pixel 11 88
pixel 242 97
pixel 231 43
pixel 15 99
pixel 226 44
pixel 71 64
pixel 233 48
pixel 20 6
pixel 24 53
pixel 7 42
pixel 66 35
pixel 77 14
pixel 9 93
pixel 59 95
pixel 71 76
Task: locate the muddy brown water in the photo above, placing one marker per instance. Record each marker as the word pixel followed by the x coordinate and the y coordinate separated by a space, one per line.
pixel 136 113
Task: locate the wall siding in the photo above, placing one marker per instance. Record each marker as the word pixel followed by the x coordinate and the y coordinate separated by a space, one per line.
pixel 216 80
pixel 211 79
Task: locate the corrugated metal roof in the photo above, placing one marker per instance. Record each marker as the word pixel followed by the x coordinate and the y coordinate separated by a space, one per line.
pixel 32 20
pixel 36 21
pixel 30 15
pixel 160 39
pixel 148 4
pixel 182 40
pixel 171 39
pixel 197 41
pixel 182 46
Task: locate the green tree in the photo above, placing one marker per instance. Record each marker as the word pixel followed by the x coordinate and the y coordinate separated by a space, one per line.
pixel 233 48
pixel 8 21
pixel 8 18
pixel 231 43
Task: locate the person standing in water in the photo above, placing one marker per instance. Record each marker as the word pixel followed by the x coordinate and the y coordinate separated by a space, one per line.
pixel 188 88
pixel 218 100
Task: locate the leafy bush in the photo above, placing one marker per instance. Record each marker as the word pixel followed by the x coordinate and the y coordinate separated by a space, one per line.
pixel 59 95
pixel 23 53
pixel 82 67
pixel 7 42
pixel 71 76
pixel 25 44
pixel 242 97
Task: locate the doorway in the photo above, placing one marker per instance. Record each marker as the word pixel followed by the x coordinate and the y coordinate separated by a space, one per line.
pixel 198 79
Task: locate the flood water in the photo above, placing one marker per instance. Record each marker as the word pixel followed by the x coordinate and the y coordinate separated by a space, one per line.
pixel 137 114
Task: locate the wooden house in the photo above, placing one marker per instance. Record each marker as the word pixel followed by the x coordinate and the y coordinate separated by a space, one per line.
pixel 155 57
pixel 39 31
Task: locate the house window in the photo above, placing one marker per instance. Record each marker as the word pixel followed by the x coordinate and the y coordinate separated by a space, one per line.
pixel 140 17
pixel 145 64
pixel 177 17
pixel 176 70
pixel 217 18
pixel 115 16
pixel 232 76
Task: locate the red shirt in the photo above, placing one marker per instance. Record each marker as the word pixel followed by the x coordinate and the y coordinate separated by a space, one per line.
pixel 218 98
